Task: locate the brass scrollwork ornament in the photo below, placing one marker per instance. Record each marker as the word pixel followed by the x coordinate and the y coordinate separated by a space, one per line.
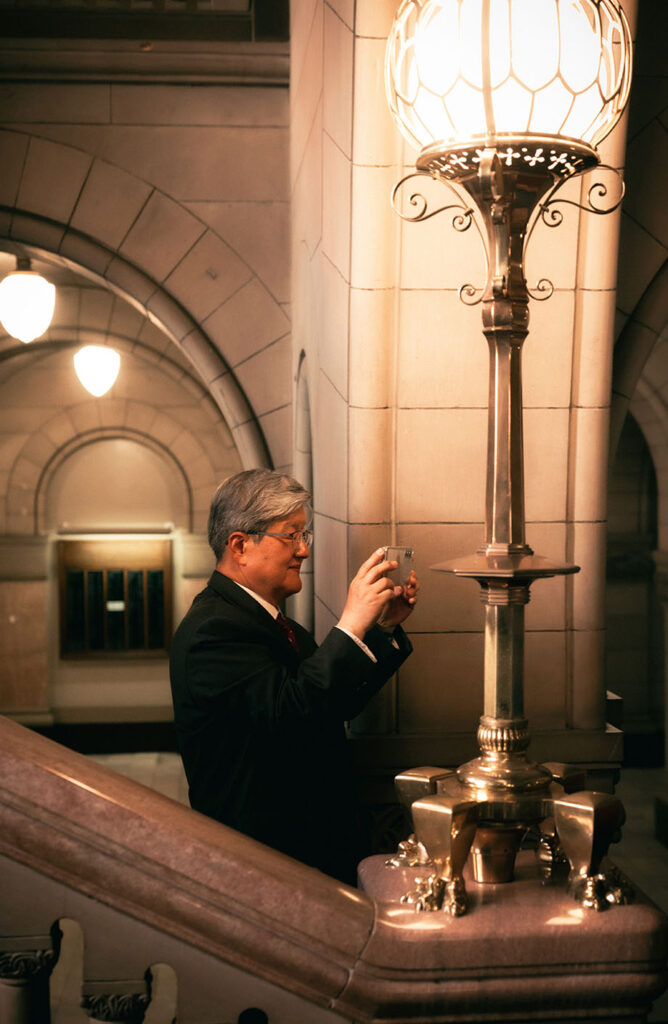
pixel 461 220
pixel 598 201
pixel 596 196
pixel 470 295
pixel 542 290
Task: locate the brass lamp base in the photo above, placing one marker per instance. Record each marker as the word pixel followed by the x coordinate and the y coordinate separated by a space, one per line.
pixel 456 821
pixel 491 776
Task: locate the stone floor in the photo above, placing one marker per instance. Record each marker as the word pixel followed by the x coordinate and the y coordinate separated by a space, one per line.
pixel 642 857
pixel 162 772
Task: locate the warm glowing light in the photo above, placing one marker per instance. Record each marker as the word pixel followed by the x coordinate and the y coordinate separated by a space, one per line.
pixel 97 368
pixel 27 301
pixel 574 916
pixel 460 70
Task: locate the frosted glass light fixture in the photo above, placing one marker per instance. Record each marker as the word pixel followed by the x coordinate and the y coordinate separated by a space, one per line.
pixel 97 368
pixel 477 70
pixel 27 301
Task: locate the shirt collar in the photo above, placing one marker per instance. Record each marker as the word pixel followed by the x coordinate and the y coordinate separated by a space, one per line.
pixel 271 608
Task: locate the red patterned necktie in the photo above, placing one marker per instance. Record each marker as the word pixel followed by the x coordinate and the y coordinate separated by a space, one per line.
pixel 288 630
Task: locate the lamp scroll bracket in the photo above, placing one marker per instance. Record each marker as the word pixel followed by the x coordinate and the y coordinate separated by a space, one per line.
pixel 595 201
pixel 461 220
pixel 542 290
pixel 552 216
pixel 470 295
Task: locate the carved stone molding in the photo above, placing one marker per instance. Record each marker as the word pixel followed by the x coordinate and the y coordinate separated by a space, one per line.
pixel 26 964
pixel 116 1008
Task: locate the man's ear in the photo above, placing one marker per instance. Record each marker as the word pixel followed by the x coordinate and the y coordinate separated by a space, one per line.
pixel 236 544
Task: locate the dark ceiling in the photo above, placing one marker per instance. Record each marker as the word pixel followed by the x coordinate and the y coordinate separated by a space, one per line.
pixel 183 20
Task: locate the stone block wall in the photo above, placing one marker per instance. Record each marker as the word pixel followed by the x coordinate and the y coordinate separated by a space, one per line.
pixel 398 370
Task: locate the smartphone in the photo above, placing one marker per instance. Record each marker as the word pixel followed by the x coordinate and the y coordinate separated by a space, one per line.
pixel 402 555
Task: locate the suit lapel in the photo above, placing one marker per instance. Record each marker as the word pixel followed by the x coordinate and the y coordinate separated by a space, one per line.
pixel 231 592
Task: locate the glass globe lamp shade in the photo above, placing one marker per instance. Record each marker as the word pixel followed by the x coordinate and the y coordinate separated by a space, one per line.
pixel 27 301
pixel 97 368
pixel 458 71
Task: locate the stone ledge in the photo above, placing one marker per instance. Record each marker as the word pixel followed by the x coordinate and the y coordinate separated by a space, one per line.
pixel 217 891
pixel 121 60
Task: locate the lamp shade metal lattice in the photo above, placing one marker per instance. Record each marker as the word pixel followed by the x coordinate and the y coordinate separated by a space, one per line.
pixel 466 70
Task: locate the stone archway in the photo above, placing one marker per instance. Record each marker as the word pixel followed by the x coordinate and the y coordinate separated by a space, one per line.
pixel 172 413
pixel 638 387
pixel 89 215
pixel 637 346
pixel 83 440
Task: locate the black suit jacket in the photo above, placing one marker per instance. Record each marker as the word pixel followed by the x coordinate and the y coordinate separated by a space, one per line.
pixel 260 726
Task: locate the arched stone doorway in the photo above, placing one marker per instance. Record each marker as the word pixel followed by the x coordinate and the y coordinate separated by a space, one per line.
pixel 159 423
pixel 634 629
pixel 179 393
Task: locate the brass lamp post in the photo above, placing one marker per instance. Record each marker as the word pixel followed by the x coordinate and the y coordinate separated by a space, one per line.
pixel 506 100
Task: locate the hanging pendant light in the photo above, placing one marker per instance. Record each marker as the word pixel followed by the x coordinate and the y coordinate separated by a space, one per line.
pixel 27 301
pixel 97 368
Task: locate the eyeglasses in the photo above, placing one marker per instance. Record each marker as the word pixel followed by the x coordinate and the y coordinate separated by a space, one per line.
pixel 298 537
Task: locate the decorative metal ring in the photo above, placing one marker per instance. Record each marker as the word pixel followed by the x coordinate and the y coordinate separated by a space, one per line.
pixel 462 221
pixel 599 189
pixel 470 295
pixel 503 739
pixel 550 216
pixel 542 290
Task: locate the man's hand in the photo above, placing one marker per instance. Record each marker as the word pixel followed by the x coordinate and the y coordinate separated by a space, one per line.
pixel 372 597
pixel 400 606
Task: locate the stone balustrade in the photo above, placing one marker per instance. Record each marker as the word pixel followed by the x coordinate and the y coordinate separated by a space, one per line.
pixel 250 926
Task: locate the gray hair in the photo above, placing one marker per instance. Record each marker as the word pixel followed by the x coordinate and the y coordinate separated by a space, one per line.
pixel 251 501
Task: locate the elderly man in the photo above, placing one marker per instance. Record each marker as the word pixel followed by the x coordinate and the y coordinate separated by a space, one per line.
pixel 259 707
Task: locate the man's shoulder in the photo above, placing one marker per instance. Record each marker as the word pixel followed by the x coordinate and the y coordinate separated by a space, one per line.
pixel 220 598
pixel 221 606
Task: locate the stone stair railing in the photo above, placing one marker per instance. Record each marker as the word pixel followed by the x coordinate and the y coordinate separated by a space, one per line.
pixel 227 924
pixel 42 982
pixel 79 842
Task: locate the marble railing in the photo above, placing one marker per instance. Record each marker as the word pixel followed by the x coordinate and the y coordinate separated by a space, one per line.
pixel 79 841
pixel 154 860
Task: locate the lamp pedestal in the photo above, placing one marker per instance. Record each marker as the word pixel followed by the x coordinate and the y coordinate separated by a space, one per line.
pixel 504 793
pixel 506 190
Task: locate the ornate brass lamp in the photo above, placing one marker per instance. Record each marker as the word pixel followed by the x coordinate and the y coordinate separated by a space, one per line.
pixel 506 100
